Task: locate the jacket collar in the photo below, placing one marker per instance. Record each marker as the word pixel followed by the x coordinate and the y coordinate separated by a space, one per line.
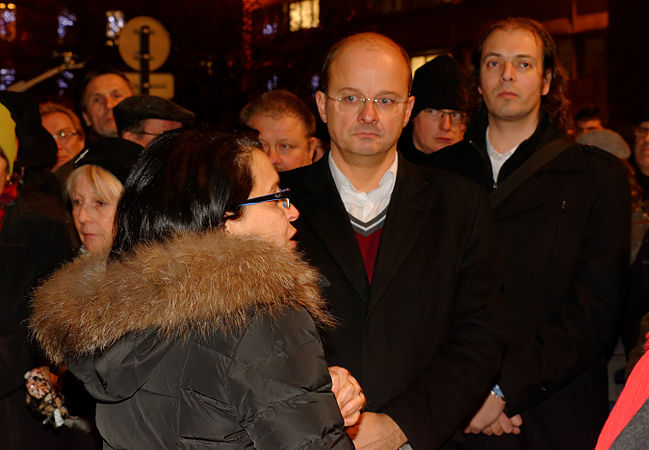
pixel 193 282
pixel 545 132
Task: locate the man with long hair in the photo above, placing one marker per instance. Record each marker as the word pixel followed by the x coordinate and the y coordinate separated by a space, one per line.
pixel 562 213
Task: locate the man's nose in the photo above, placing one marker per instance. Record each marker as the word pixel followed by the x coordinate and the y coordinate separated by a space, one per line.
pixel 368 112
pixel 445 122
pixel 273 156
pixel 508 71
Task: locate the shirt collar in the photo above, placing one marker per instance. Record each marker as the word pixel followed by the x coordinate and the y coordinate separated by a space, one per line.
pixel 342 181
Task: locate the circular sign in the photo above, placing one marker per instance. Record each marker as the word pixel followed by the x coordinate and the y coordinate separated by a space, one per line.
pixel 130 42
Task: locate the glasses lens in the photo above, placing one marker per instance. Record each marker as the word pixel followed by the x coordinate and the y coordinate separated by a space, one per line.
pixel 641 132
pixel 64 135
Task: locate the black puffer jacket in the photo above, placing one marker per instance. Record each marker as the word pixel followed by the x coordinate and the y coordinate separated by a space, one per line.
pixel 204 342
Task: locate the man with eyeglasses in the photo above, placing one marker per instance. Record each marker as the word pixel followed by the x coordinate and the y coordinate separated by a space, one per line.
pixel 405 254
pixel 562 212
pixel 641 152
pixel 437 119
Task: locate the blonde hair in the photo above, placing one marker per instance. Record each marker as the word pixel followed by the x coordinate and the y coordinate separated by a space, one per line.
pixel 106 185
pixel 50 107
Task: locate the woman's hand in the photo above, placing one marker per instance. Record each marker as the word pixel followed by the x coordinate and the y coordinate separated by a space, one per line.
pixel 349 394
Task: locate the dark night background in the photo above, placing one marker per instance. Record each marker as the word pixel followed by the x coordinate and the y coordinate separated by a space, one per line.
pixel 220 56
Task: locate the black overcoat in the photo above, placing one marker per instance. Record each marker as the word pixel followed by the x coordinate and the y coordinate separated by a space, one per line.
pixel 564 237
pixel 420 338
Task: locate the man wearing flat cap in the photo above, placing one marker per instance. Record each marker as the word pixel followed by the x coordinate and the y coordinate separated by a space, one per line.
pixel 141 118
pixel 437 119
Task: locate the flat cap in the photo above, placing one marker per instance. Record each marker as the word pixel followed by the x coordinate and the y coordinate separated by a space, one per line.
pixel 134 109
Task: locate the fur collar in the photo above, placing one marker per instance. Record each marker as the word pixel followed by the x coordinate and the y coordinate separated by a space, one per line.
pixel 191 282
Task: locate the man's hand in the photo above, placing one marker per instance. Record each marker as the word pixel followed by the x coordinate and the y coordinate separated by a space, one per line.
pixel 489 413
pixel 376 432
pixel 349 394
pixel 504 425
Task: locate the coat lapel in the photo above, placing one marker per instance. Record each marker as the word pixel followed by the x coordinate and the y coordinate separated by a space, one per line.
pixel 402 227
pixel 323 208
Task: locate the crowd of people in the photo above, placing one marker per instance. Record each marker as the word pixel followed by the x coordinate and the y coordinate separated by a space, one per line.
pixel 449 266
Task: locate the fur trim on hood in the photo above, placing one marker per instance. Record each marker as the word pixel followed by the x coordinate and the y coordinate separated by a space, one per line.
pixel 198 282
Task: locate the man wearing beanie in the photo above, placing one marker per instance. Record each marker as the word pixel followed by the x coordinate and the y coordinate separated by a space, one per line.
pixel 141 118
pixel 437 120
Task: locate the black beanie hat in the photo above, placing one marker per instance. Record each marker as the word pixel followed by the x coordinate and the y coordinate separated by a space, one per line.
pixel 643 116
pixel 437 85
pixel 115 155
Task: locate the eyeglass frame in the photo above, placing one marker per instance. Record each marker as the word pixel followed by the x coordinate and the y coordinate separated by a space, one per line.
pixel 643 132
pixel 446 112
pixel 364 100
pixel 63 136
pixel 282 195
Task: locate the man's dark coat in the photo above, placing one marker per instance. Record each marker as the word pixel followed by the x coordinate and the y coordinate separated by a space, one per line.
pixel 420 338
pixel 564 236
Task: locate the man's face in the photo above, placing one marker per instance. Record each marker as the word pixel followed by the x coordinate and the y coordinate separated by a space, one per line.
pixel 588 125
pixel 102 94
pixel 641 147
pixel 285 140
pixel 434 129
pixel 368 70
pixel 511 75
pixel 152 129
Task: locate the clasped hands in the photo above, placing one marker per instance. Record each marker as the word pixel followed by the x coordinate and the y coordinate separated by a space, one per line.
pixel 349 394
pixel 369 431
pixel 491 420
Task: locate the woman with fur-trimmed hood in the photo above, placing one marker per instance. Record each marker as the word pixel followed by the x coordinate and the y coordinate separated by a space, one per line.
pixel 197 329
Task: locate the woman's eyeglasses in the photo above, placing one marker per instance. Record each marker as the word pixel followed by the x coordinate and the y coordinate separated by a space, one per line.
pixel 283 196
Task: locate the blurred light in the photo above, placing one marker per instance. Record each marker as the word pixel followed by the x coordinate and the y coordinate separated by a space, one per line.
pixel 272 83
pixel 269 28
pixel 66 20
pixel 7 21
pixel 7 78
pixel 304 14
pixel 114 24
pixel 315 82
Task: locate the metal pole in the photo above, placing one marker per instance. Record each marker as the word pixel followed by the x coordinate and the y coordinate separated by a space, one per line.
pixel 145 57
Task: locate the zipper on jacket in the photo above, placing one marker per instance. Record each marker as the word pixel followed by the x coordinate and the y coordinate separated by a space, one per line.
pixel 564 207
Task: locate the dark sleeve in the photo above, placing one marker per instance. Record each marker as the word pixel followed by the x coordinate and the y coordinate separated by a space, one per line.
pixel 578 332
pixel 31 249
pixel 281 388
pixel 462 371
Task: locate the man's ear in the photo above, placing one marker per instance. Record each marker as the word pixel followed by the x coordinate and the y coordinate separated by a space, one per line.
pixel 86 119
pixel 409 106
pixel 547 82
pixel 321 101
pixel 313 142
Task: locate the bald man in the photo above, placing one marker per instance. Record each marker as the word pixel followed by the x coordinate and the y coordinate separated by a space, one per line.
pixel 406 256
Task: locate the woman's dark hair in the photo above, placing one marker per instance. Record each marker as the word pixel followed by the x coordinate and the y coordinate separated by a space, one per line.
pixel 186 180
pixel 555 103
